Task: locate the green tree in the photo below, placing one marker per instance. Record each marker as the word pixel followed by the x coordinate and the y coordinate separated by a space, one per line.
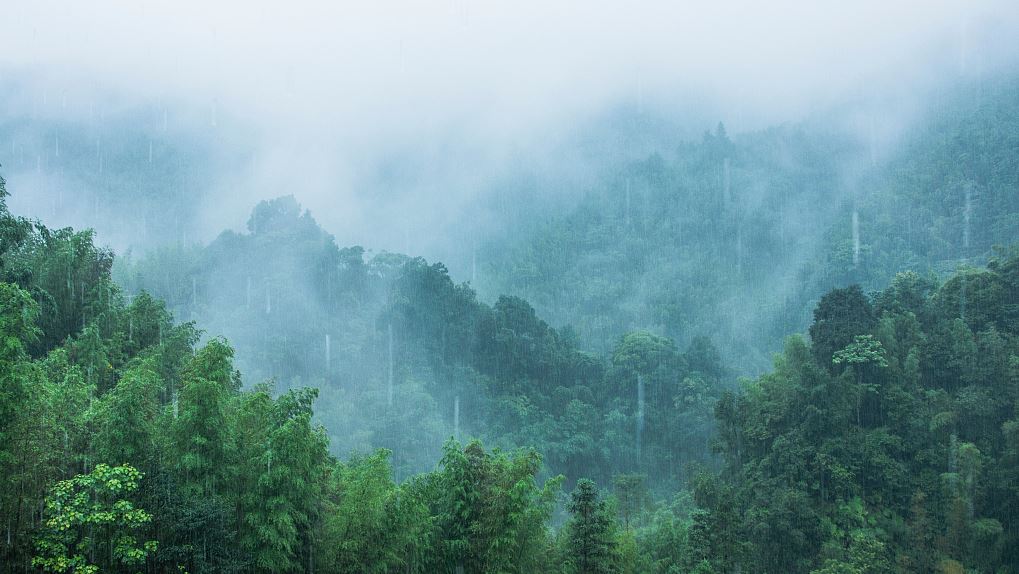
pixel 590 539
pixel 490 512
pixel 841 315
pixel 865 351
pixel 284 500
pixel 632 496
pixel 22 409
pixel 199 429
pixel 91 524
pixel 125 418
pixel 371 524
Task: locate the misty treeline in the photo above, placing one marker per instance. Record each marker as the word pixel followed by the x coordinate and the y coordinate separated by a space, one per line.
pixel 129 443
pixel 739 235
pixel 889 443
pixel 96 168
pixel 404 357
pixel 886 442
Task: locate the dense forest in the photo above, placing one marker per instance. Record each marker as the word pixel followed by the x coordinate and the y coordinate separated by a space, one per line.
pixel 739 236
pixel 509 287
pixel 633 340
pixel 394 344
pixel 887 441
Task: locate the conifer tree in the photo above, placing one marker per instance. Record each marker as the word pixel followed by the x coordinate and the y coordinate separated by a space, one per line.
pixel 590 542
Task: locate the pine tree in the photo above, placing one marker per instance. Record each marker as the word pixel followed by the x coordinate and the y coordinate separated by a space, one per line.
pixel 590 543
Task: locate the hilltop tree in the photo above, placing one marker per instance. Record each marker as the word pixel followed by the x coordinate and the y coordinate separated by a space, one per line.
pixel 841 315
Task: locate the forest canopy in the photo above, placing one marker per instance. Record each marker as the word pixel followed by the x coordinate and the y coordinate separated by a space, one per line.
pixel 397 310
pixel 131 440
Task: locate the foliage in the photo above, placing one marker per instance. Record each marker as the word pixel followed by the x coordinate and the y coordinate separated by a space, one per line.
pixel 894 455
pixel 91 525
pixel 887 441
pixel 590 538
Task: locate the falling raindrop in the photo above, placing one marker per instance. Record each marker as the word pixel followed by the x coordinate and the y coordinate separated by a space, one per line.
pixel 56 145
pixel 953 464
pixel 328 350
pixel 856 237
pixel 739 250
pixel 248 293
pixel 389 394
pixel 967 210
pixel 726 180
pixel 872 142
pixel 627 212
pixel 176 406
pixel 474 264
pixel 268 301
pixel 150 151
pixel 962 296
pixel 640 414
pixel 194 291
pixel 456 417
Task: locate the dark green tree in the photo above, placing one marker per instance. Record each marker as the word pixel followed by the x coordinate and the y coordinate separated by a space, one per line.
pixel 590 539
pixel 841 315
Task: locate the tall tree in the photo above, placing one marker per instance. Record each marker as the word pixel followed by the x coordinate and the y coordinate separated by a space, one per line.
pixel 841 315
pixel 590 539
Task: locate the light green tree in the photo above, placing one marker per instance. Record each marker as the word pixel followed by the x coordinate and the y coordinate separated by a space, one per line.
pixel 91 524
pixel 864 351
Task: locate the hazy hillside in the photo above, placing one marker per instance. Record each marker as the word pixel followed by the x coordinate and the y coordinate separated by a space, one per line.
pixel 735 238
pixel 509 288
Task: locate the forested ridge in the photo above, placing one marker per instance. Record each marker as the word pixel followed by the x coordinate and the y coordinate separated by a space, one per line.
pixel 393 344
pixel 220 407
pixel 738 236
pixel 885 444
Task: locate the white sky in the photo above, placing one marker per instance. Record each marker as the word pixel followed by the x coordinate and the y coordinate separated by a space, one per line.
pixel 330 86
